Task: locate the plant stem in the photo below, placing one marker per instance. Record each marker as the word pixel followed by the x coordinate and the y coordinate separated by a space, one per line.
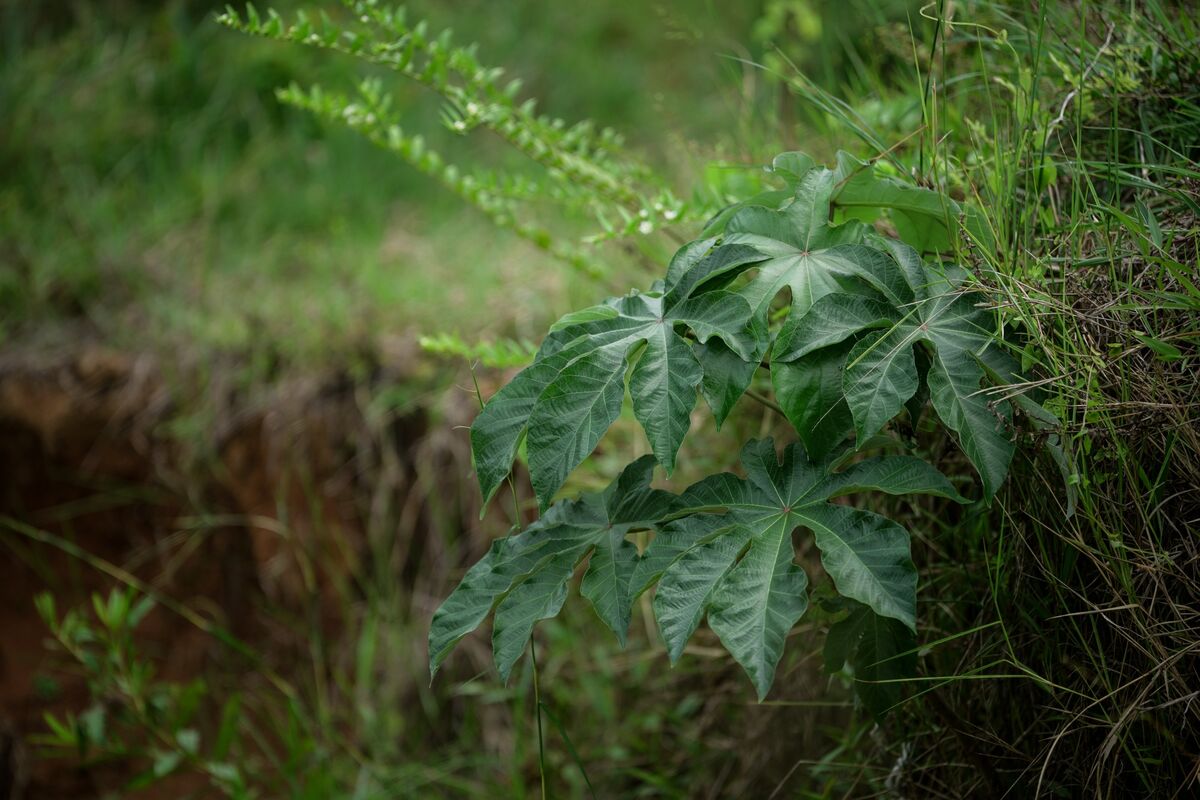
pixel 766 401
pixel 537 702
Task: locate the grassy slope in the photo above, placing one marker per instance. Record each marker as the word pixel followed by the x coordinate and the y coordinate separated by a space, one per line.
pixel 1075 131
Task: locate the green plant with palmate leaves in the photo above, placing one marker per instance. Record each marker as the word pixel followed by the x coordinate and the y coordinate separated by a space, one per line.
pixel 872 332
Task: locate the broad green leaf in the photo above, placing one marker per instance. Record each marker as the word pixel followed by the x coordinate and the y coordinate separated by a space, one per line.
pixel 924 218
pixel 593 314
pixel 538 596
pixel 772 198
pixel 792 167
pixel 809 390
pixel 572 393
pixel 808 256
pixel 896 475
pixel 758 601
pixel 672 540
pixel 882 372
pixel 811 357
pixel 663 387
pixel 867 557
pixel 881 652
pixel 732 559
pixel 910 262
pixel 686 257
pixel 880 376
pixel 726 373
pixel 500 426
pixel 525 576
pixel 984 427
pixel 721 263
pixel 472 600
pixel 727 376
pixel 685 592
pixel 831 320
pixel 924 233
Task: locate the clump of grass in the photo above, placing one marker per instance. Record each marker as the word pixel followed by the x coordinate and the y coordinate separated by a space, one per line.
pixel 1061 655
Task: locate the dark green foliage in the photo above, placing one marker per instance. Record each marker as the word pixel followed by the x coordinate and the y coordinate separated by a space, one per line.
pixel 723 550
pixel 573 391
pixel 526 574
pixel 881 651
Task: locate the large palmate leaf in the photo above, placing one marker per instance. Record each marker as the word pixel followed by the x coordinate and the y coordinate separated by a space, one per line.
pixel 572 393
pixel 732 558
pixel 881 371
pixel 794 249
pixel 525 576
pixel 799 249
pixel 869 330
pixel 810 258
pixel 807 255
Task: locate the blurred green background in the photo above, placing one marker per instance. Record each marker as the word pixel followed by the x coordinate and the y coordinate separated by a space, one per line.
pixel 158 202
pixel 154 187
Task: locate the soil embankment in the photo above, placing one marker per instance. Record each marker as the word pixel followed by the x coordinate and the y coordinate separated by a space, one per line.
pixel 287 498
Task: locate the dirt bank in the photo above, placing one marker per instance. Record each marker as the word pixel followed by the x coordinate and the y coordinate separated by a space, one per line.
pixel 229 522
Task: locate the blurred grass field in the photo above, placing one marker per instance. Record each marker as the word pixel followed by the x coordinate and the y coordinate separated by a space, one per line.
pixel 156 189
